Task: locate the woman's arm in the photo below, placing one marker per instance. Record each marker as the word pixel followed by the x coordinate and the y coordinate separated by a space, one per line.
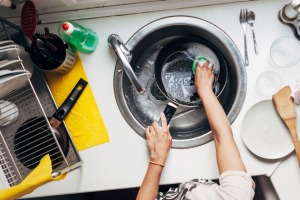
pixel 159 142
pixel 228 156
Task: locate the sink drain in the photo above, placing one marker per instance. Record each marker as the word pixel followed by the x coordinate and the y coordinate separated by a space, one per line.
pixel 154 93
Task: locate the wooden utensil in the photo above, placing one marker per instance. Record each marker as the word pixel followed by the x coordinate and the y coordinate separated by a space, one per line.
pixel 285 107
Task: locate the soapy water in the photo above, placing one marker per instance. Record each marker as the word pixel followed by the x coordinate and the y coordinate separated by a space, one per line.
pixel 177 75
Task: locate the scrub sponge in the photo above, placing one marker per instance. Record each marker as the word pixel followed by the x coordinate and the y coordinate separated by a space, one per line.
pixel 202 60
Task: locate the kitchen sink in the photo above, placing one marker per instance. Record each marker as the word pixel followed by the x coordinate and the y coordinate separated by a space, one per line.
pixel 189 126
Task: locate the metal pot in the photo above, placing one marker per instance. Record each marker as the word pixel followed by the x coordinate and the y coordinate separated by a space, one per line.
pixel 67 63
pixel 175 78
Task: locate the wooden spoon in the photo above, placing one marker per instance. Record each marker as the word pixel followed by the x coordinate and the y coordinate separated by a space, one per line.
pixel 285 107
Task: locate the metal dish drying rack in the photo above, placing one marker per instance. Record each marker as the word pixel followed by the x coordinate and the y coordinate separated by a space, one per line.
pixel 32 100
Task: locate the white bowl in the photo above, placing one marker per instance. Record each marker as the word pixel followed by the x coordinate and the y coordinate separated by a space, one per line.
pixel 268 83
pixel 284 52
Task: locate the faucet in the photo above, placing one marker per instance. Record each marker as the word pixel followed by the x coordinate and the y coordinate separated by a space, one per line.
pixel 290 14
pixel 124 55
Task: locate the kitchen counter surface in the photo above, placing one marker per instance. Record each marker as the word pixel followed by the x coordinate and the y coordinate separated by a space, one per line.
pixel 122 162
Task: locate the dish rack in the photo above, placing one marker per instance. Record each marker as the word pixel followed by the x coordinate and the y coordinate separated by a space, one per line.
pixel 32 100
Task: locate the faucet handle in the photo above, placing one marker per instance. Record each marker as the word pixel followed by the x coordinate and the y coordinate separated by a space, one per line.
pixel 124 55
pixel 123 47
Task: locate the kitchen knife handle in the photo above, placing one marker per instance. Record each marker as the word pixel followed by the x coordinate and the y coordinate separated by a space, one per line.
pixel 169 111
pixel 64 109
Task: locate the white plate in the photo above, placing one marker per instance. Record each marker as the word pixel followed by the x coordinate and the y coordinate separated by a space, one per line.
pixel 10 53
pixel 265 134
pixel 10 83
pixel 6 72
pixel 9 46
pixel 8 113
pixel 6 42
pixel 10 64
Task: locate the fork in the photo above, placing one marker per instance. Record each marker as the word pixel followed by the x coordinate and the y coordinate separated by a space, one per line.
pixel 243 22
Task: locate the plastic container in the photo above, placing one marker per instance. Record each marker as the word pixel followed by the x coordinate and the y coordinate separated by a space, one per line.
pixel 284 52
pixel 268 83
pixel 83 39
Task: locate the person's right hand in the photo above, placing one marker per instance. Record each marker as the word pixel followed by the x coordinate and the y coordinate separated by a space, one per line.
pixel 204 78
pixel 159 141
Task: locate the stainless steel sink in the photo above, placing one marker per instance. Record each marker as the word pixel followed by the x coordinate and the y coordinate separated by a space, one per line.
pixel 189 127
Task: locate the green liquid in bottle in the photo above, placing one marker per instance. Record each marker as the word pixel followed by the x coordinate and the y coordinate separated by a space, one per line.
pixel 83 39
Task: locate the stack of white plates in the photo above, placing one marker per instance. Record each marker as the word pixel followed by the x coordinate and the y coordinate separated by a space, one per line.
pixel 11 80
pixel 8 50
pixel 12 77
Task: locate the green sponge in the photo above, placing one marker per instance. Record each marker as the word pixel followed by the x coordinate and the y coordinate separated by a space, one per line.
pixel 195 63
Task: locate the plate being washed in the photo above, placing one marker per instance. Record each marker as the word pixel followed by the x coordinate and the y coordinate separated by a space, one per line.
pixel 265 134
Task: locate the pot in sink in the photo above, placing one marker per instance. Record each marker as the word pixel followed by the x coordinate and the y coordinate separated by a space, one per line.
pixel 142 104
pixel 174 73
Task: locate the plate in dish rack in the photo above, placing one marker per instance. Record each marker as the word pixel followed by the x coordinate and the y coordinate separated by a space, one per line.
pixel 14 82
pixel 11 53
pixel 265 134
pixel 6 42
pixel 10 64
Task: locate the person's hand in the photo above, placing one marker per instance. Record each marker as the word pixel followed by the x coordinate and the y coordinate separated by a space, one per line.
pixel 204 78
pixel 159 141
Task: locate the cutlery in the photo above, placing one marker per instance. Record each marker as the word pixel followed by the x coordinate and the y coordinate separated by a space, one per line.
pixel 243 22
pixel 45 41
pixel 285 107
pixel 250 20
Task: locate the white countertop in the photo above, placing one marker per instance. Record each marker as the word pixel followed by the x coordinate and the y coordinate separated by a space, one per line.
pixel 122 162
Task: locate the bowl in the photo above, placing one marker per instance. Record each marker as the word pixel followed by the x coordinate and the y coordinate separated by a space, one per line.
pixel 284 52
pixel 268 83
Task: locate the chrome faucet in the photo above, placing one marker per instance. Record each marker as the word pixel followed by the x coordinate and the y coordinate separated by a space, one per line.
pixel 290 14
pixel 124 55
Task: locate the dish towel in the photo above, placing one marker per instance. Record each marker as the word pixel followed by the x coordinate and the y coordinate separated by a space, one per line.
pixel 84 121
pixel 39 176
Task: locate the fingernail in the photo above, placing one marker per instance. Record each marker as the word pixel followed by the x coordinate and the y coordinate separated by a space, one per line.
pixel 202 62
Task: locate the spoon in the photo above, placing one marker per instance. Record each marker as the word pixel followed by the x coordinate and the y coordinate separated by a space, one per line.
pixel 250 20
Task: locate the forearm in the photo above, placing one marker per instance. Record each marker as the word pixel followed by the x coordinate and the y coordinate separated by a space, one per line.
pixel 215 114
pixel 149 187
pixel 228 156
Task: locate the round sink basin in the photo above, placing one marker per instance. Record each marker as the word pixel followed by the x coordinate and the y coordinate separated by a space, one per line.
pixel 189 126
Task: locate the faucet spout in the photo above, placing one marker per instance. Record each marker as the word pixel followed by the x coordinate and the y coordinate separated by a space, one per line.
pixel 124 56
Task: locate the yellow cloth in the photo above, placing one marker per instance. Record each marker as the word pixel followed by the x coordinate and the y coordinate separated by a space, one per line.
pixel 39 176
pixel 84 122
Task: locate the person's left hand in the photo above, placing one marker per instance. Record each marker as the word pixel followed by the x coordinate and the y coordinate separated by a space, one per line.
pixel 159 140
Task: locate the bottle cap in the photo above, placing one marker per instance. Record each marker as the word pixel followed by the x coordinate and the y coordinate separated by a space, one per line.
pixel 67 27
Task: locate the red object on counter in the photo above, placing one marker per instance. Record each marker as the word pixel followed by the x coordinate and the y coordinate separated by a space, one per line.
pixel 29 19
pixel 65 26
